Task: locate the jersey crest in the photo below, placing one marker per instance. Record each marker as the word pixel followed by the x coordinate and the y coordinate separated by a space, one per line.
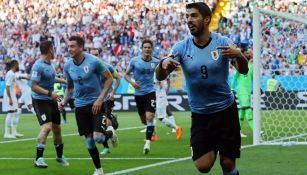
pixel 86 69
pixel 214 55
pixel 152 65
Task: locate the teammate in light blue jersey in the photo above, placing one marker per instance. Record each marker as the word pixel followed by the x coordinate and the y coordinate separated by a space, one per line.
pixel 84 73
pixel 45 104
pixel 143 71
pixel 143 68
pixel 109 99
pixel 215 126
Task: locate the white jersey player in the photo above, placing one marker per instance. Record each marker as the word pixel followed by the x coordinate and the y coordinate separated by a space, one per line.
pixel 161 88
pixel 9 103
pixel 25 98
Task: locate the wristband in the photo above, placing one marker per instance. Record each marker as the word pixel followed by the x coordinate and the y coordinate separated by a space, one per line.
pixel 49 93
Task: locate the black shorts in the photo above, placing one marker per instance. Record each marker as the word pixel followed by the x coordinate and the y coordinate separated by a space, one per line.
pixel 219 132
pixel 88 122
pixel 108 107
pixel 71 103
pixel 146 103
pixel 47 111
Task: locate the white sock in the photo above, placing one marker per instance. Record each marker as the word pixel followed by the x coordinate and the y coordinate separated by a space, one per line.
pixel 19 110
pixel 169 123
pixel 8 120
pixel 15 119
pixel 33 111
pixel 172 118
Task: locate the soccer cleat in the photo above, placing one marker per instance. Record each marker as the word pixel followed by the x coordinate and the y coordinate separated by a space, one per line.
pixel 173 130
pixel 18 134
pixel 105 151
pixel 40 163
pixel 178 133
pixel 243 135
pixel 143 130
pixel 154 138
pixel 147 147
pixel 9 136
pixel 15 133
pixel 114 138
pixel 98 172
pixel 62 161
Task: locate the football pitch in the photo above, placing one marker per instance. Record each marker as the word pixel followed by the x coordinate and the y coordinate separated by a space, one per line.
pixel 167 156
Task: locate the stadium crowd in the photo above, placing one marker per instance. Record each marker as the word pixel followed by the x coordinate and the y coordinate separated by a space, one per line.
pixel 118 27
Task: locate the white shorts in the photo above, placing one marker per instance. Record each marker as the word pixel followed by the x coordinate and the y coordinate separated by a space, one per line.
pixel 6 104
pixel 161 103
pixel 25 99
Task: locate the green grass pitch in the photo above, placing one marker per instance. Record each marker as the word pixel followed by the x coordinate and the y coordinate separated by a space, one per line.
pixel 168 156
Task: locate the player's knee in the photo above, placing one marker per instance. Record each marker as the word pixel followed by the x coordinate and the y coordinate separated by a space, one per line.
pixel 204 168
pixel 46 128
pixel 100 139
pixel 56 127
pixel 227 164
pixel 90 143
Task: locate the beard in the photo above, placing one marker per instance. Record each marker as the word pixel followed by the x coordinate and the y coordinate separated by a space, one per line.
pixel 198 31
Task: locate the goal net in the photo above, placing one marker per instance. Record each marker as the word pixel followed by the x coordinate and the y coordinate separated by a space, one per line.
pixel 280 78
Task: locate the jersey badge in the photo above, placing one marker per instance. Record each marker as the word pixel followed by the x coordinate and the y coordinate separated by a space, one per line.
pixel 214 55
pixel 86 69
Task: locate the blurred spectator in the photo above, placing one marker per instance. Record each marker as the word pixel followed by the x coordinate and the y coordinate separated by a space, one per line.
pixel 118 27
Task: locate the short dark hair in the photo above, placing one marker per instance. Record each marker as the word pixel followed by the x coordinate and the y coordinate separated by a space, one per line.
pixel 202 7
pixel 44 46
pixel 80 41
pixel 12 63
pixel 147 41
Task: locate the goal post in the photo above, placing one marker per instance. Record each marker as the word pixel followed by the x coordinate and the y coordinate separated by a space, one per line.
pixel 271 120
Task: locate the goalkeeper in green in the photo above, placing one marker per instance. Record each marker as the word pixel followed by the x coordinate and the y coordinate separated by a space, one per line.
pixel 244 88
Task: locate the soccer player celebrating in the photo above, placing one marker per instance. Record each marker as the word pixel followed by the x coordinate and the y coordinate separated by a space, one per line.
pixel 143 68
pixel 244 84
pixel 215 123
pixel 84 73
pixel 9 104
pixel 109 99
pixel 45 104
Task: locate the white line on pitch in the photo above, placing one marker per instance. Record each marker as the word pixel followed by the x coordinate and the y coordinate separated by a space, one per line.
pixel 64 135
pixel 159 164
pixel 88 158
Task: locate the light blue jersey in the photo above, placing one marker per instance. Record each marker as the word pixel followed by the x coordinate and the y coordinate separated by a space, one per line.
pixel 43 74
pixel 143 72
pixel 103 80
pixel 86 78
pixel 206 73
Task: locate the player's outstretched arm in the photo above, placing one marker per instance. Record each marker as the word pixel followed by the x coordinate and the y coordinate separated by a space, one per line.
pixel 38 89
pixel 165 67
pixel 239 61
pixel 118 79
pixel 108 83
pixel 127 77
pixel 60 80
pixel 68 92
